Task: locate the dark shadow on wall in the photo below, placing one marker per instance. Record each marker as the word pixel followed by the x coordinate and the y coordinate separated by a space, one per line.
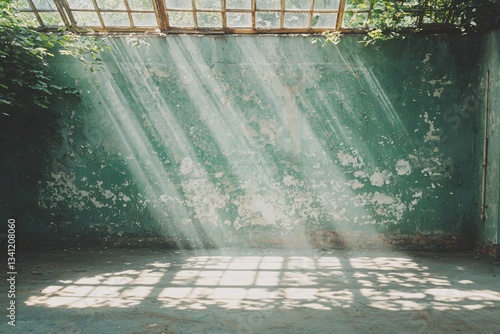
pixel 28 145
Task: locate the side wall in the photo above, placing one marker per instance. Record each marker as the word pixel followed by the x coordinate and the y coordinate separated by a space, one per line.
pixel 215 141
pixel 491 229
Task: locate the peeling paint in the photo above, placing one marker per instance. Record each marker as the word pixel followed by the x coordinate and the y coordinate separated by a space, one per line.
pixel 384 205
pixel 347 159
pixel 438 92
pixel 403 167
pixel 431 135
pixel 380 178
pixel 203 147
pixel 96 203
pixel 186 166
pixel 355 184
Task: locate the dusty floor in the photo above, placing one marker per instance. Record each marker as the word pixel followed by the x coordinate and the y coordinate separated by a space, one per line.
pixel 255 291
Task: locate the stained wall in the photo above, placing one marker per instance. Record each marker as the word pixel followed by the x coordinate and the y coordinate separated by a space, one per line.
pixel 203 141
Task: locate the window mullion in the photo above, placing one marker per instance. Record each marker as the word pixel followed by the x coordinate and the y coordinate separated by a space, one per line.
pixel 98 11
pixel 195 16
pixel 161 14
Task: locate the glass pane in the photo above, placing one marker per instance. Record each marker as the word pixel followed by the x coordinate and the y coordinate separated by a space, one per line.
pixel 410 20
pixel 239 4
pixel 239 20
pixel 44 4
pixel 357 5
pixel 439 4
pixel 296 20
pixel 267 20
pixel 140 4
pixel 28 18
pixel 209 20
pixel 268 4
pixel 21 4
pixel 51 19
pixel 115 19
pixel 111 4
pixel 298 4
pixel 180 19
pixel 207 4
pixel 435 17
pixel 80 4
pixel 144 19
pixel 355 20
pixel 415 4
pixel 179 4
pixel 321 20
pixel 440 16
pixel 86 19
pixel 326 4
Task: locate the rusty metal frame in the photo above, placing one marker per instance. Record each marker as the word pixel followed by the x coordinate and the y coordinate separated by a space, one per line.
pixel 340 16
pixel 311 10
pixel 98 12
pixel 36 12
pixel 58 9
pixel 254 11
pixel 282 14
pixel 422 13
pixel 223 13
pixel 62 13
pixel 161 14
pixel 69 14
pixel 130 18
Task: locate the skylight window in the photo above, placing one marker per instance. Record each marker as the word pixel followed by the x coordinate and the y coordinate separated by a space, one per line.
pixel 228 16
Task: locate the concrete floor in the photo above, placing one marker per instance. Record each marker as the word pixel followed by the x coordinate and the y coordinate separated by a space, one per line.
pixel 255 291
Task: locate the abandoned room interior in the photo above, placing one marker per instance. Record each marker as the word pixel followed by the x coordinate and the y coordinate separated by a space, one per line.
pixel 250 166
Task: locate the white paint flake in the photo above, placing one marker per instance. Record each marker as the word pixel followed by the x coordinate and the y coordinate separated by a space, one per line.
pixel 438 92
pixel 356 184
pixel 430 135
pixel 361 174
pixel 97 203
pixel 205 199
pixel 347 159
pixel 186 166
pixel 288 180
pixel 403 167
pixel 379 178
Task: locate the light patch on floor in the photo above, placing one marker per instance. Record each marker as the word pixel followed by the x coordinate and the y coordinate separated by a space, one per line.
pixel 256 291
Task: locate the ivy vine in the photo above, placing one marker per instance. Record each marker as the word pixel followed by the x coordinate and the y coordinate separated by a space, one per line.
pixel 30 128
pixel 389 19
pixel 25 83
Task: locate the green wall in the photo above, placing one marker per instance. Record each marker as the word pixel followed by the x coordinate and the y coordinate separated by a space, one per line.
pixel 491 230
pixel 210 140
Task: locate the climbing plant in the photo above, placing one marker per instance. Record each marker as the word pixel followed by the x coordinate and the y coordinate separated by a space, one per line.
pixel 25 83
pixel 388 19
pixel 29 124
pixel 27 90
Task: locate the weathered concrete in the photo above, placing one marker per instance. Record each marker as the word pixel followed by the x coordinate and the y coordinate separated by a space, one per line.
pixel 255 291
pixel 202 140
